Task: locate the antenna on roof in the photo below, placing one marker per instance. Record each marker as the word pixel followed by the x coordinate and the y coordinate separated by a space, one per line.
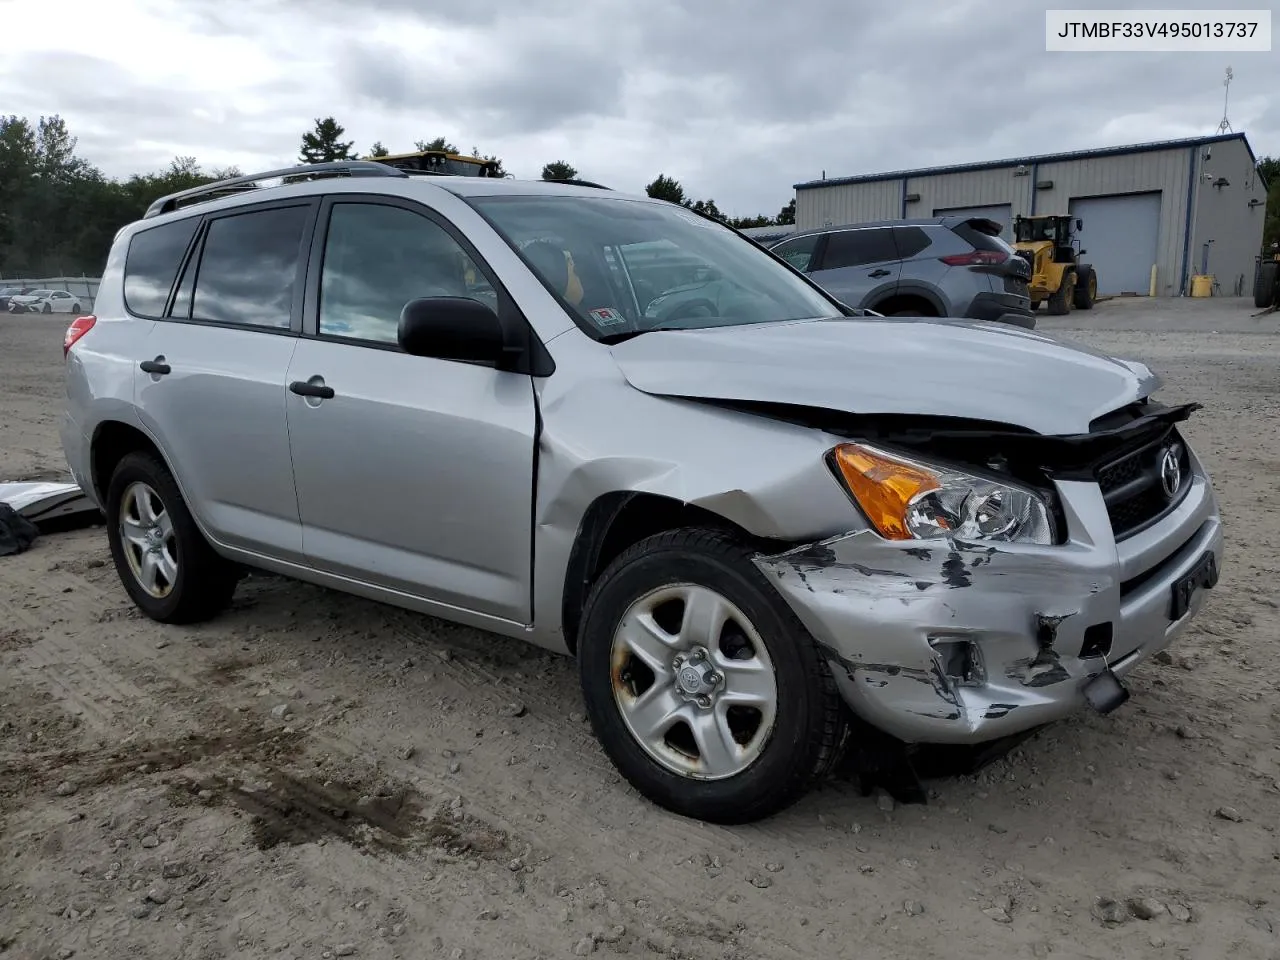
pixel 1225 125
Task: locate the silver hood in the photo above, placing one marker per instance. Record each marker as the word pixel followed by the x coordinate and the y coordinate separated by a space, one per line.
pixel 869 365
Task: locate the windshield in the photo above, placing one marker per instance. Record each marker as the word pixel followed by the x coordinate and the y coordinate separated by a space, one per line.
pixel 462 168
pixel 1032 231
pixel 41 293
pixel 628 266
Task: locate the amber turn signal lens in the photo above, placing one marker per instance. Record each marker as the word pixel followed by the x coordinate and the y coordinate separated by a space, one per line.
pixel 884 487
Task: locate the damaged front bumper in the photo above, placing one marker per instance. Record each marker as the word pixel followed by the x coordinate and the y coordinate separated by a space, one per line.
pixel 962 642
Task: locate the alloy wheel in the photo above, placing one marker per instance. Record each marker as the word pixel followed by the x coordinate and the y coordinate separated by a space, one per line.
pixel 147 536
pixel 693 682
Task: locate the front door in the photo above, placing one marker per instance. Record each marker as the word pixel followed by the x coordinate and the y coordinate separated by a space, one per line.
pixel 413 474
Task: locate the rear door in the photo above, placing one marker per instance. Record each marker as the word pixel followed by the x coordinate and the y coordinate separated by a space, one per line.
pixel 859 266
pixel 210 382
pixel 414 474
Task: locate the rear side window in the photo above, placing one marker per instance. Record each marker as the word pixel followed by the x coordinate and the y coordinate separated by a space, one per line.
pixel 911 241
pixel 981 239
pixel 249 268
pixel 852 248
pixel 152 264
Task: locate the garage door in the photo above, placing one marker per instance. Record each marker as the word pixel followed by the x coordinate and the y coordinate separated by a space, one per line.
pixel 1120 236
pixel 1001 214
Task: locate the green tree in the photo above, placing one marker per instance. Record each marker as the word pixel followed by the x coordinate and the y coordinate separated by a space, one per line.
pixel 439 143
pixel 666 188
pixel 559 170
pixel 58 213
pixel 707 207
pixel 324 144
pixel 787 215
pixel 760 220
pixel 378 150
pixel 48 199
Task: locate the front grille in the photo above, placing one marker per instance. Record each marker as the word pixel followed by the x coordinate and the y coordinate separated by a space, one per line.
pixel 1134 485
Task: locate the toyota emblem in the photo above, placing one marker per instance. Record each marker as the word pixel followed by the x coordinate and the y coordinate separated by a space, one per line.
pixel 1171 471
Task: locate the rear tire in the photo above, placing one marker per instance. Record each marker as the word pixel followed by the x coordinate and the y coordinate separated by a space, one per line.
pixel 1086 293
pixel 1060 301
pixel 700 759
pixel 1264 287
pixel 166 565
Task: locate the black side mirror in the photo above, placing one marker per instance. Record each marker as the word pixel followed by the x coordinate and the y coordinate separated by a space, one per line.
pixel 1079 224
pixel 451 328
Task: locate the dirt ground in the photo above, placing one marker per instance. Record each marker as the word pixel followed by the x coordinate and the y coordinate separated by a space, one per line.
pixel 315 776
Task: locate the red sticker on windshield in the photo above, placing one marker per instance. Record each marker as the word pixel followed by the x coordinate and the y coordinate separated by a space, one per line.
pixel 607 316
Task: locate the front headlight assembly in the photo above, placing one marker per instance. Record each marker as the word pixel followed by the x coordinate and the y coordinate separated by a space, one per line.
pixel 912 500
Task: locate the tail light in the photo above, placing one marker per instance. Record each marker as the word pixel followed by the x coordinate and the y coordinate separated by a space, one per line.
pixel 79 327
pixel 976 258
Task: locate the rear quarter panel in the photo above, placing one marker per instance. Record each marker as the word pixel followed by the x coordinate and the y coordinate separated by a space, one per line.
pixel 100 373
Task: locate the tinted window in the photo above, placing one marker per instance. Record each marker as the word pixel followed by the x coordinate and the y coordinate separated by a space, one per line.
pixel 910 241
pixel 979 236
pixel 152 263
pixel 249 267
pixel 798 252
pixel 182 297
pixel 852 248
pixel 377 258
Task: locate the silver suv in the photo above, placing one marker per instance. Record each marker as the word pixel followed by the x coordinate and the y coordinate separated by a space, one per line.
pixel 765 524
pixel 939 267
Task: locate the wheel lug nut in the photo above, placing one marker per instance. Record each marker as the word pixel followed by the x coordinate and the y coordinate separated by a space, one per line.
pixel 713 678
pixel 704 701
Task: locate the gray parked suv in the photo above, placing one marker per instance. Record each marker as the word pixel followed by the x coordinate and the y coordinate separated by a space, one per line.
pixel 939 267
pixel 766 525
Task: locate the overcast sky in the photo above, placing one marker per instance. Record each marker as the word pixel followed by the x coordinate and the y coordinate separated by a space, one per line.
pixel 737 99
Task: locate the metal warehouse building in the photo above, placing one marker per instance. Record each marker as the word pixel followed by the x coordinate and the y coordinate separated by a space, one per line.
pixel 1185 207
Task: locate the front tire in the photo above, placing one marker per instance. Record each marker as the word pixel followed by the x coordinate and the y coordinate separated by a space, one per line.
pixel 704 689
pixel 166 565
pixel 1060 301
pixel 1086 293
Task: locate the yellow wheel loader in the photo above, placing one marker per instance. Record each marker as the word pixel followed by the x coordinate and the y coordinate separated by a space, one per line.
pixel 1057 276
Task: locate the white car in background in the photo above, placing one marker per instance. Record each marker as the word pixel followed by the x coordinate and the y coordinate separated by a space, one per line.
pixel 46 301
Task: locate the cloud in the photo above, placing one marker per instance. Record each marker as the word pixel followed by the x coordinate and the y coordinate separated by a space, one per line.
pixel 738 101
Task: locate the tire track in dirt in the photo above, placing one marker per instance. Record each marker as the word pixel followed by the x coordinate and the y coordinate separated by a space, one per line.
pixel 590 831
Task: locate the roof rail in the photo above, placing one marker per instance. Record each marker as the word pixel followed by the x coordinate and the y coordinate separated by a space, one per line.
pixel 306 171
pixel 582 183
